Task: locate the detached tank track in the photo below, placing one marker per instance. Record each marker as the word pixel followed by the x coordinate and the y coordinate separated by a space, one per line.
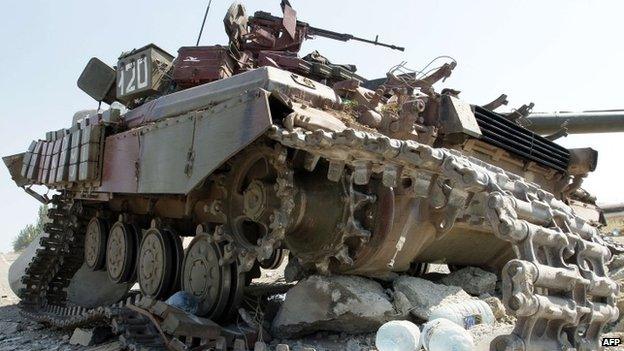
pixel 49 273
pixel 557 287
pixel 135 331
pixel 58 259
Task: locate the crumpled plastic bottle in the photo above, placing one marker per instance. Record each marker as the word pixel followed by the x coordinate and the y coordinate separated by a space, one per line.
pixel 443 335
pixel 466 314
pixel 398 336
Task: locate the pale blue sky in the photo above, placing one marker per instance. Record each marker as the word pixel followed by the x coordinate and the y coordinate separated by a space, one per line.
pixel 562 55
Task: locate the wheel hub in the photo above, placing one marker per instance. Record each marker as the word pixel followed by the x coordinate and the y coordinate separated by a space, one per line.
pixel 199 281
pixel 255 199
pixel 215 280
pixel 95 244
pixel 151 263
pixel 115 252
pixel 203 277
pixel 158 262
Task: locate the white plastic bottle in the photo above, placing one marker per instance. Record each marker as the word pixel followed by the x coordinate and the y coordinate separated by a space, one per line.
pixel 398 336
pixel 465 314
pixel 443 335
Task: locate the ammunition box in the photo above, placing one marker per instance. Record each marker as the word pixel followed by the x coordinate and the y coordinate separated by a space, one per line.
pixel 87 171
pixel 60 133
pixel 73 173
pixel 52 175
pixel 25 162
pixel 62 173
pixel 89 152
pixel 202 64
pixel 91 134
pixel 74 155
pixel 75 138
pixel 111 115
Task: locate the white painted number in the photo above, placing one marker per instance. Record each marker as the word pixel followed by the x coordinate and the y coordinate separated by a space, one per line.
pixel 137 77
pixel 132 67
pixel 142 73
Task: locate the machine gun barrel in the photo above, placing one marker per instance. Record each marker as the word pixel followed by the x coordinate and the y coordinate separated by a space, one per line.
pixel 324 32
pixel 346 37
pixel 577 122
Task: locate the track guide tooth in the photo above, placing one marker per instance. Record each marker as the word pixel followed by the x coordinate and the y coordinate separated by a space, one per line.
pixel 310 162
pixel 391 175
pixel 362 173
pixel 336 168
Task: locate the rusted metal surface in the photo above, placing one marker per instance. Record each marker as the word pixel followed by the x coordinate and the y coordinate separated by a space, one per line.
pixel 197 65
pixel 207 95
pixel 120 170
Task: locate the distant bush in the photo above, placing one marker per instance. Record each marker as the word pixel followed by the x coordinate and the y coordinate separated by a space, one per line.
pixel 31 231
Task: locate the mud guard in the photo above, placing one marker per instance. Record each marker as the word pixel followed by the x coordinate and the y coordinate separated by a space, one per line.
pixel 174 155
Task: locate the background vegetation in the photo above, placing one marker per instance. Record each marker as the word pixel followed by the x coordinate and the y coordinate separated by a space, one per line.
pixel 31 231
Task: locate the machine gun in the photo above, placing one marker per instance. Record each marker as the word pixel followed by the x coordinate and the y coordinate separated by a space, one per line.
pixel 263 31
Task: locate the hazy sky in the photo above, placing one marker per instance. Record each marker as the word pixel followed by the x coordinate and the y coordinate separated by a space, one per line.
pixel 562 55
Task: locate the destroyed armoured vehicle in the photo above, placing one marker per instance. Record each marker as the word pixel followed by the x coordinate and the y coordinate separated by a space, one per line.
pixel 257 153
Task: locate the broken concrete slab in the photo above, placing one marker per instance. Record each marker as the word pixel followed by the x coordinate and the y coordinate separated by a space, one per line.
pixel 336 303
pixel 402 304
pixel 425 295
pixel 473 280
pixel 89 337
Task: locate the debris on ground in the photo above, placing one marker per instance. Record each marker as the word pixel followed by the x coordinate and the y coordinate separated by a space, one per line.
pixel 425 295
pixel 319 313
pixel 483 334
pixel 90 336
pixel 498 309
pixel 335 303
pixel 473 280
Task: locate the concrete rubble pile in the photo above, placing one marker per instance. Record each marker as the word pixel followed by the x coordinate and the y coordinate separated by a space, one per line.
pixel 317 313
pixel 355 307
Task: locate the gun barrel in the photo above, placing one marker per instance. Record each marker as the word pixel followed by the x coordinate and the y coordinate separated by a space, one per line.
pixel 346 37
pixel 577 122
